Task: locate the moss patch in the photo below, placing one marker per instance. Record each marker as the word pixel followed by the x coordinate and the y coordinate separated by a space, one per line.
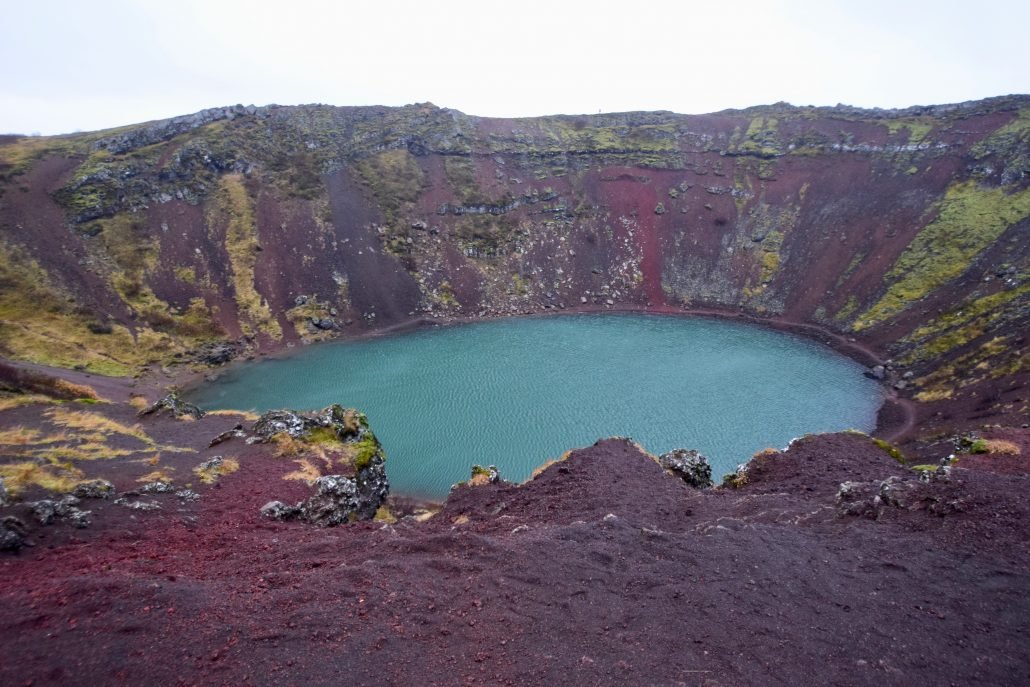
pixel 971 218
pixel 233 208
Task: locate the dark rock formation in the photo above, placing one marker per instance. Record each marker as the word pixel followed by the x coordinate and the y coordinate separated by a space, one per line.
pixel 217 353
pixel 175 405
pixel 12 533
pixel 94 489
pixel 46 511
pixel 344 424
pixel 338 499
pixel 690 465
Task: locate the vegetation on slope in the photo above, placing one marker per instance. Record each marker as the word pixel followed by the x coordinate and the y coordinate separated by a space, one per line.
pixel 971 218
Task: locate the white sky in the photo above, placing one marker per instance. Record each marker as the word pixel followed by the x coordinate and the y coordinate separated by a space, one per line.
pixel 88 64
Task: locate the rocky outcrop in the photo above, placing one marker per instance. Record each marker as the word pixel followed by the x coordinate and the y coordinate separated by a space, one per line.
pixel 12 533
pixel 690 465
pixel 931 492
pixel 94 489
pixel 175 405
pixel 165 129
pixel 338 498
pixel 46 511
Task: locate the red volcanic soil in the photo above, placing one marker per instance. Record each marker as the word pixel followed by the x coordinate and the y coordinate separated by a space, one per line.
pixel 604 569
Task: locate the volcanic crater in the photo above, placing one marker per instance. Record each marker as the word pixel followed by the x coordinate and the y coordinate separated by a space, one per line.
pixel 137 260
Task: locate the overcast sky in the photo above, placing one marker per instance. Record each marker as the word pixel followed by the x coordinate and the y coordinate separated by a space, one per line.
pixel 88 64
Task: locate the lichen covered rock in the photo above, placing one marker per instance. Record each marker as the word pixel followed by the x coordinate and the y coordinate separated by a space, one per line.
pixel 690 465
pixel 338 498
pixel 175 405
pixel 94 489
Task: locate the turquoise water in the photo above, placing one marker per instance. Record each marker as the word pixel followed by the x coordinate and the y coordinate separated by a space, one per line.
pixel 517 392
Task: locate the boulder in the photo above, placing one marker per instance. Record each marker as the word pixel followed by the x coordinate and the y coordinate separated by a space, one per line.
pixel 12 533
pixel 215 354
pixel 690 465
pixel 94 489
pixel 175 405
pixel 157 487
pixel 234 433
pixel 877 372
pixel 277 510
pixel 482 476
pixel 46 511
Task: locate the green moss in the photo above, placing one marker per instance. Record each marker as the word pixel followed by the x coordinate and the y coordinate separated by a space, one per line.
pixel 890 449
pixel 323 435
pixel 1009 142
pixel 973 318
pixel 300 316
pixel 771 255
pixel 484 236
pixel 365 451
pixel 395 179
pixel 233 209
pixel 445 295
pixel 461 177
pixel 979 446
pixel 847 310
pixel 970 219
pixel 918 128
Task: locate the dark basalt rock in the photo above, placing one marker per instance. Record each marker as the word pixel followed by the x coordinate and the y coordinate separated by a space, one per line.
pixel 94 489
pixel 690 465
pixel 215 354
pixel 236 432
pixel 298 425
pixel 338 499
pixel 931 492
pixel 175 405
pixel 12 533
pixel 277 510
pixel 4 498
pixel 157 487
pixel 46 511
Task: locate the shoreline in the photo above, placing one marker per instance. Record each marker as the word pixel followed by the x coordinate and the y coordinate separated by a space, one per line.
pixel 895 421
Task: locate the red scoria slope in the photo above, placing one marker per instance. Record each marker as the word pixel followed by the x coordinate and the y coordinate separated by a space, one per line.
pixel 604 569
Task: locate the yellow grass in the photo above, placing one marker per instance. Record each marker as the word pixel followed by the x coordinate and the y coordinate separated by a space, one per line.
pixel 1001 446
pixel 306 472
pixel 19 436
pixel 138 402
pixel 20 476
pixel 86 451
pixel 75 390
pixel 95 422
pixel 12 401
pixel 931 395
pixel 210 475
pixel 161 475
pixel 245 414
